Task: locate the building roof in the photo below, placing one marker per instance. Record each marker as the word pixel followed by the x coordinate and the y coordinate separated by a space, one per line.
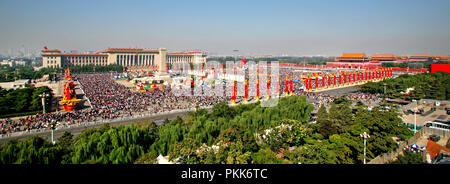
pixel 54 50
pixel 435 148
pixel 189 53
pixel 383 55
pixel 353 55
pixel 442 56
pixel 74 55
pixel 420 55
pixel 128 50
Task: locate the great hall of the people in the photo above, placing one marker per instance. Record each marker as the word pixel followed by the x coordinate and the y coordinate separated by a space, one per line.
pixel 120 56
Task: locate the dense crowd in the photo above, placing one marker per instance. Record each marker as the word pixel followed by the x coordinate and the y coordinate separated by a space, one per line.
pixel 109 100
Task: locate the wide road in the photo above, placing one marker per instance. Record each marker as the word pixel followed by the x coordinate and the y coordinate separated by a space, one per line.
pixel 158 119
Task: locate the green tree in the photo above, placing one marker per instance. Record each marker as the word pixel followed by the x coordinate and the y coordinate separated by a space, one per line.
pixel 266 156
pixel 408 157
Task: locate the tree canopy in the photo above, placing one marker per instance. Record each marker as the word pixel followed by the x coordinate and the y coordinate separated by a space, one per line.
pixel 243 134
pixel 425 85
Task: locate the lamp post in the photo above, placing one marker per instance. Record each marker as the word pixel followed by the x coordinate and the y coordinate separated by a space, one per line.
pixel 52 128
pixel 54 76
pixel 385 94
pixel 415 109
pixel 43 96
pixel 365 136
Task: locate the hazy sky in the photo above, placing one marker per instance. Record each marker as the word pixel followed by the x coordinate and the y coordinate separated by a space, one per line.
pixel 321 27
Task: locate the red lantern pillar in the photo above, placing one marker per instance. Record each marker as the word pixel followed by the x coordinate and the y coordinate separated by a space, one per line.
pixel 323 81
pixel 380 74
pixel 329 80
pixel 375 74
pixel 306 84
pixel 310 83
pixel 268 88
pixel 365 76
pixel 387 73
pixel 257 88
pixel 246 91
pixel 292 86
pixel 334 83
pixel 345 78
pixel 233 97
pixel 286 88
pixel 317 82
pixel 340 79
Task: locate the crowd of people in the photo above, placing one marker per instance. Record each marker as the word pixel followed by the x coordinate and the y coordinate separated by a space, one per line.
pixel 110 100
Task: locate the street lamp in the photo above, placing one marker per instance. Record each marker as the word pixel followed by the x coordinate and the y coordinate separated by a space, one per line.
pixel 54 76
pixel 415 111
pixel 365 136
pixel 385 95
pixel 52 128
pixel 43 96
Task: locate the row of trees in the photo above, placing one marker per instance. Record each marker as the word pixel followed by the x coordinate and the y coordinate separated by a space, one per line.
pixel 8 74
pixel 229 135
pixel 425 64
pixel 425 85
pixel 23 100
pixel 106 145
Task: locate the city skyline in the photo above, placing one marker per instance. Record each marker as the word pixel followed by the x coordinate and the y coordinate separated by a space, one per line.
pixel 296 28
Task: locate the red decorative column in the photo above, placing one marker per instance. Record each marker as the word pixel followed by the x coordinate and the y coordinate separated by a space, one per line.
pixel 306 84
pixel 329 80
pixel 246 91
pixel 317 82
pixel 365 76
pixel 380 74
pixel 257 88
pixel 323 81
pixel 233 97
pixel 310 83
pixel 268 87
pixel 292 86
pixel 334 80
pixel 286 88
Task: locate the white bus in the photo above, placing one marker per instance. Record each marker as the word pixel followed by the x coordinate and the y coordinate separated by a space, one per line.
pixel 437 125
